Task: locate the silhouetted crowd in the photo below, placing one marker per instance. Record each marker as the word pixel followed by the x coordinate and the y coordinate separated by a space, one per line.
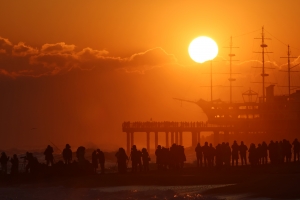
pixel 33 166
pixel 139 160
pixel 223 154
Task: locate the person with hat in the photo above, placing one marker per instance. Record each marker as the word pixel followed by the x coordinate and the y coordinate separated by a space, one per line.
pixel 67 154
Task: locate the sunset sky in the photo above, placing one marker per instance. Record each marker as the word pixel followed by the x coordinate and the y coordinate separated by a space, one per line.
pixel 73 71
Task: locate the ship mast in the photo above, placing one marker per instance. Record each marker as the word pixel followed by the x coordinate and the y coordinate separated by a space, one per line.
pixel 211 86
pixel 263 46
pixel 263 52
pixel 230 64
pixel 289 69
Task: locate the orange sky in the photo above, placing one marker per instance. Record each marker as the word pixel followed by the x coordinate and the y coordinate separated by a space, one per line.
pixel 75 70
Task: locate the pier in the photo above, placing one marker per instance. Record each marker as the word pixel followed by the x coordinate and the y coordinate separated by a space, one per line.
pixel 174 131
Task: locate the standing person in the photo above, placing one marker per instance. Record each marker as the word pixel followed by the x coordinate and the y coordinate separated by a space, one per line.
pixel 264 148
pixel 134 158
pixel 288 151
pixel 205 150
pixel 14 165
pixel 243 153
pixel 139 160
pixel 122 158
pixel 80 154
pixel 227 154
pixel 95 161
pixel 272 152
pixel 49 155
pixel 101 158
pixel 296 149
pixel 159 160
pixel 259 154
pixel 235 153
pixel 198 150
pixel 67 154
pixel 211 155
pixel 219 159
pixel 253 157
pixel 3 160
pixel 182 157
pixel 146 159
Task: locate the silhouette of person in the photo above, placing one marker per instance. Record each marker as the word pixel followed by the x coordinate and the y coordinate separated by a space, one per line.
pixel 173 157
pixel 198 150
pixel 272 152
pixel 181 156
pixel 121 160
pixel 80 153
pixel 139 160
pixel 235 153
pixel 253 157
pixel 95 161
pixel 49 155
pixel 14 165
pixel 264 148
pixel 3 160
pixel 243 153
pixel 101 158
pixel 134 158
pixel 67 154
pixel 32 164
pixel 296 149
pixel 211 155
pixel 159 159
pixel 259 154
pixel 288 149
pixel 227 154
pixel 146 159
pixel 205 150
pixel 219 159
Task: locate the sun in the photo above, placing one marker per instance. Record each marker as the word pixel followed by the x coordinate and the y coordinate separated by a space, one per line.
pixel 202 49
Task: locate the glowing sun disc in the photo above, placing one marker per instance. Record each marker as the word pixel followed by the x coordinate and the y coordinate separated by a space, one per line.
pixel 202 49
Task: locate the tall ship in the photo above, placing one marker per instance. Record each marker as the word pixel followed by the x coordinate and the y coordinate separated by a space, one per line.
pixel 269 113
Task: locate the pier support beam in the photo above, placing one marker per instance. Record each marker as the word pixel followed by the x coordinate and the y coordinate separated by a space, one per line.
pixel 132 139
pixel 194 139
pixel 216 138
pixel 148 142
pixel 128 143
pixel 167 139
pixel 156 140
pixel 198 137
pixel 176 137
pixel 180 138
pixel 172 138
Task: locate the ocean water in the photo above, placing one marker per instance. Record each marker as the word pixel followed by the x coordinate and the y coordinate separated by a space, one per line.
pixel 116 193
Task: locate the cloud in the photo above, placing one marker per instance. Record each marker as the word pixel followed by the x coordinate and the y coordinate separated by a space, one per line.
pixel 23 50
pixel 51 59
pixel 5 46
pixel 60 47
pixel 149 59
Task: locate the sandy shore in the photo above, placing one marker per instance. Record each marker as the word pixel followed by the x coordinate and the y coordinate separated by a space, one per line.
pixel 282 182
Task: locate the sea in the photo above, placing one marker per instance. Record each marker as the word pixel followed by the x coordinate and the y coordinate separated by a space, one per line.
pixel 117 193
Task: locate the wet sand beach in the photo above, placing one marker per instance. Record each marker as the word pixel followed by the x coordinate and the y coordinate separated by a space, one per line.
pixel 280 182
